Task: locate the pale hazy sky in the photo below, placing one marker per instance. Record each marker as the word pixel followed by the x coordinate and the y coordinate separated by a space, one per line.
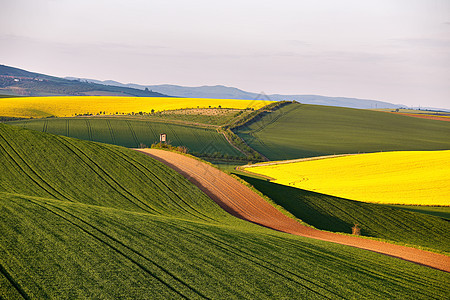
pixel 391 50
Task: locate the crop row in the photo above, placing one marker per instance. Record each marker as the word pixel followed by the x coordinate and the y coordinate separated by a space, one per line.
pixel 134 133
pixel 78 251
pixel 100 221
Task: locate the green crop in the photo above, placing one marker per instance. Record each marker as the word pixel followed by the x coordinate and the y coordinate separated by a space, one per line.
pixel 134 133
pixel 300 130
pixel 80 219
pixel 375 220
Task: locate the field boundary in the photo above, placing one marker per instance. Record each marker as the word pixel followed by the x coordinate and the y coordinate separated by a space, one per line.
pixel 240 201
pixel 281 162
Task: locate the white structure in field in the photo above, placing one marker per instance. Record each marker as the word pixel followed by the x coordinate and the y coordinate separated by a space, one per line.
pixel 162 137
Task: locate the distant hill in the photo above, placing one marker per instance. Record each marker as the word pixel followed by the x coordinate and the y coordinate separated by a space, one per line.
pixel 18 82
pixel 224 92
pixel 300 130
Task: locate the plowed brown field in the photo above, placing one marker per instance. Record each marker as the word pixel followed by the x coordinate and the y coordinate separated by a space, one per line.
pixel 242 202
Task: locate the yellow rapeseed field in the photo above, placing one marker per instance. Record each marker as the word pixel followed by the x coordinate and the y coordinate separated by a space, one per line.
pixel 404 177
pixel 70 105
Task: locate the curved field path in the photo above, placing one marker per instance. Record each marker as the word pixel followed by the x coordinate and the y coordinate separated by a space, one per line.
pixel 242 202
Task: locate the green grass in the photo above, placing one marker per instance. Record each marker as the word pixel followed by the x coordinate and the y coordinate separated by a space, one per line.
pixel 375 220
pixel 300 130
pixel 9 96
pixel 89 220
pixel 438 211
pixel 132 132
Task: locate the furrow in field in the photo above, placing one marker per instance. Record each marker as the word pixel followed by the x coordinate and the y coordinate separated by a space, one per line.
pixel 89 129
pixel 251 207
pixel 45 126
pixel 164 187
pixel 177 139
pixel 150 127
pixel 126 251
pixel 395 276
pixel 111 132
pixel 30 172
pixel 133 134
pixel 113 183
pixel 13 283
pixel 314 287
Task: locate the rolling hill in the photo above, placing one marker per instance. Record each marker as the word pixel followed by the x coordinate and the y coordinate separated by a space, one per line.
pixel 375 220
pixel 400 177
pixel 301 130
pixel 89 220
pixel 15 81
pixel 226 92
pixel 133 133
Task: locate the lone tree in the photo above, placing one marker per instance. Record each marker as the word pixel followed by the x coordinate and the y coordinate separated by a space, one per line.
pixel 356 230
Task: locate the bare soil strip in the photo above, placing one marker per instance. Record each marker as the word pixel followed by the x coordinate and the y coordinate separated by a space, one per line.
pixel 240 201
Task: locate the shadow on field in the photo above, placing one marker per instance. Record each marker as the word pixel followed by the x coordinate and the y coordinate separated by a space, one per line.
pixel 308 206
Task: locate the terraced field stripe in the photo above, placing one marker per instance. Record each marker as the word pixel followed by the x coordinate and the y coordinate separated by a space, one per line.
pixel 110 241
pixel 133 134
pixel 111 132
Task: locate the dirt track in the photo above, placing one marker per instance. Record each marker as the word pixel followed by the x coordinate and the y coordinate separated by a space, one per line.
pixel 242 202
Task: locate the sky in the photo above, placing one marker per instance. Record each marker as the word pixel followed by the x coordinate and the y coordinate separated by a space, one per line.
pixel 391 50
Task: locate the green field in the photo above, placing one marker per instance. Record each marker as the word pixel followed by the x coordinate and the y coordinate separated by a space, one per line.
pixel 301 130
pixel 132 133
pixel 375 220
pixel 89 220
pixel 438 211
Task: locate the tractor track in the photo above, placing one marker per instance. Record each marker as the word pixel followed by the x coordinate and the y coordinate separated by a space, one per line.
pixel 240 201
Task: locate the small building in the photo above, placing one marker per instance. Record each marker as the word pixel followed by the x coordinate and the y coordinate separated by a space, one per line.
pixel 162 137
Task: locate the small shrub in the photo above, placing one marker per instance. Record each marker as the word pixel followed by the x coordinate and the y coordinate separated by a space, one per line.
pixel 356 230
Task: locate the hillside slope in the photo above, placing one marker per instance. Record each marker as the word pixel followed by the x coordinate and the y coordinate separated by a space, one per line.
pixel 300 130
pixel 336 214
pixel 220 91
pixel 87 220
pixel 132 133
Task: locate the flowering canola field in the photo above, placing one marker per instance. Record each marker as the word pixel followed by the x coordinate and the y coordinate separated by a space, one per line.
pixel 68 106
pixel 403 177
